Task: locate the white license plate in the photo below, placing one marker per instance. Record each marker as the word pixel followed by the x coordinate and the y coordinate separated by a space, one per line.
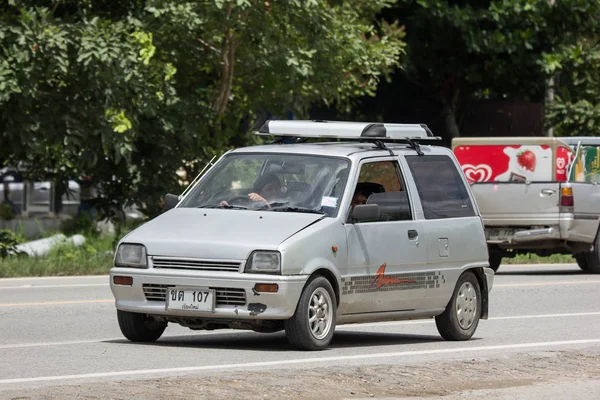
pixel 191 299
pixel 499 233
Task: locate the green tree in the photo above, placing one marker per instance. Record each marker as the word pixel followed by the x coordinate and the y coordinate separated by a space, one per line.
pixel 128 92
pixel 464 50
pixel 576 108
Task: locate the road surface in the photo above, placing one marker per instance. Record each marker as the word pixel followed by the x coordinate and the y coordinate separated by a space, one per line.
pixel 59 338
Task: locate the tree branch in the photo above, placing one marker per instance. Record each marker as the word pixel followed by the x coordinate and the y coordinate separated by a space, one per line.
pixel 227 62
pixel 56 6
pixel 209 46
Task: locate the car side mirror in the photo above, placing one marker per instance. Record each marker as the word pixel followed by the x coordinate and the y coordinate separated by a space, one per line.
pixel 366 212
pixel 170 201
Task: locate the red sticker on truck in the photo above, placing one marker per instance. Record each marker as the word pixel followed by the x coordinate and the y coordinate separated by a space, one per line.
pixel 506 163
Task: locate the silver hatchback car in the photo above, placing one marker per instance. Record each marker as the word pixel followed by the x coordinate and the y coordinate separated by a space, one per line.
pixel 373 225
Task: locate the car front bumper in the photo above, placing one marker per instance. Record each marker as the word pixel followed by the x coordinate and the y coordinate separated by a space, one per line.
pixel 236 298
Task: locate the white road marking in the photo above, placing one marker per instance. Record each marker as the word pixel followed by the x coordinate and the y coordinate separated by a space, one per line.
pixel 297 361
pixel 49 278
pixel 545 283
pixel 72 342
pixel 236 331
pixel 429 321
pixel 53 286
pixel 54 303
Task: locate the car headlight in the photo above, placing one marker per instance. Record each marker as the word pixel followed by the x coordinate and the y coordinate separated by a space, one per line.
pixel 131 255
pixel 264 262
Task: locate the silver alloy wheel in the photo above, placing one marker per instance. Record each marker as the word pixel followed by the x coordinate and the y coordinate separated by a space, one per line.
pixel 466 305
pixel 320 313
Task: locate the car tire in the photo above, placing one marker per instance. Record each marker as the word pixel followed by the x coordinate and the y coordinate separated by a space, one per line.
pixel 582 261
pixel 592 258
pixel 317 302
pixel 140 327
pixel 461 316
pixel 495 261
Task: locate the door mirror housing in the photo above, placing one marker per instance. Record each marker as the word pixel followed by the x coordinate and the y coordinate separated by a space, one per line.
pixel 366 212
pixel 170 201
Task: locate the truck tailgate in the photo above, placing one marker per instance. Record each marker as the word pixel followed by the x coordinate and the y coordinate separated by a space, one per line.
pixel 518 204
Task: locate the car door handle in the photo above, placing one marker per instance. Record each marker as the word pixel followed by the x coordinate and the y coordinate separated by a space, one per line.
pixel 547 192
pixel 412 234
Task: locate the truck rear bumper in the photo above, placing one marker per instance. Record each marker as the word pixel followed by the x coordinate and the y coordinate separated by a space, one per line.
pixel 516 235
pixel 535 234
pixel 567 229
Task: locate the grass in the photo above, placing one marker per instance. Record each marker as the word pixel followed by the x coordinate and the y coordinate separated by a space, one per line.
pixel 94 257
pixel 534 259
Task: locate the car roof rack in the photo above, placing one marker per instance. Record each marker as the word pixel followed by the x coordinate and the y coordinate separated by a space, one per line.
pixel 320 129
pixel 375 132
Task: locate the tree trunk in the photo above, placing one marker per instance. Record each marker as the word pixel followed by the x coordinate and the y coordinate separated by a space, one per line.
pixel 58 192
pixel 449 111
pixel 227 63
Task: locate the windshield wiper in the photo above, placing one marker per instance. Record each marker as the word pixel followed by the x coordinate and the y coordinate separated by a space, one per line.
pixel 229 207
pixel 296 209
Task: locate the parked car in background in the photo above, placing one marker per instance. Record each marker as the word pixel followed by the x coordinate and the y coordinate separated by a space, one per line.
pixel 528 202
pixel 71 200
pixel 41 193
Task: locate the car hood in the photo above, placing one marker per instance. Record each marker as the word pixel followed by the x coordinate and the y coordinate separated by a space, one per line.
pixel 217 233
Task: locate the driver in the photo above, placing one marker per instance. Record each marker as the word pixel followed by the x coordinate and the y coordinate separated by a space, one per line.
pixel 266 189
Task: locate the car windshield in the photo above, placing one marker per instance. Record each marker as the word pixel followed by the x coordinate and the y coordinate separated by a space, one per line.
pixel 272 182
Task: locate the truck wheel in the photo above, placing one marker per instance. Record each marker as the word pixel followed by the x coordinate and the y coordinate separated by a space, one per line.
pixel 140 327
pixel 461 317
pixel 313 323
pixel 592 258
pixel 581 259
pixel 495 261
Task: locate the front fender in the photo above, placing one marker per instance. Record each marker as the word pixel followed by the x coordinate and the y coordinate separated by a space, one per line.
pixel 324 267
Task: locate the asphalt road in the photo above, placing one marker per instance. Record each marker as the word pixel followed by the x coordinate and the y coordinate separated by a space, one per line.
pixel 60 331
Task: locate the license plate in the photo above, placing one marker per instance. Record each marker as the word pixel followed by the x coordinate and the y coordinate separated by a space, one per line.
pixel 191 299
pixel 499 233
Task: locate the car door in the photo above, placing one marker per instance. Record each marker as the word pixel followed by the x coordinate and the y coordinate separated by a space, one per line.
pixel 454 233
pixel 386 257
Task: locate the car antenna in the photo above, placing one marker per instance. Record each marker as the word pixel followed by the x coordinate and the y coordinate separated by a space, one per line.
pixel 209 164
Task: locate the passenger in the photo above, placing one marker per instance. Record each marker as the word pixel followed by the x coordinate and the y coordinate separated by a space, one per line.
pixel 359 198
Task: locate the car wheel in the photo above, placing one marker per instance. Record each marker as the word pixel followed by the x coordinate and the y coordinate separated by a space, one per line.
pixel 313 323
pixel 592 258
pixel 461 317
pixel 140 327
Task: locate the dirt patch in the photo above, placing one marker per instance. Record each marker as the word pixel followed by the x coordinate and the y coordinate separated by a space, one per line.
pixel 429 379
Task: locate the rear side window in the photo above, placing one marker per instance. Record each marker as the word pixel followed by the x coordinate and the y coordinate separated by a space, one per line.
pixel 441 189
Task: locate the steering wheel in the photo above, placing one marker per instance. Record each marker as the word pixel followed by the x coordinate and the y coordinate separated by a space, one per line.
pixel 235 198
pixel 246 199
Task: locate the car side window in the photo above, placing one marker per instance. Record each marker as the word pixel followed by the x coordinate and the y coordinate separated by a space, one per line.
pixel 440 186
pixel 380 183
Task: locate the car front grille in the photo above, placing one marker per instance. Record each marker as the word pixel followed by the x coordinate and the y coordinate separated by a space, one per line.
pixel 196 264
pixel 224 296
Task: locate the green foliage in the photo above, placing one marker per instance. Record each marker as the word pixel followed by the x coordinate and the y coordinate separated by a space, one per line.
pixel 6 212
pixel 460 51
pixel 82 224
pixel 8 242
pixel 576 109
pixel 128 92
pixel 95 257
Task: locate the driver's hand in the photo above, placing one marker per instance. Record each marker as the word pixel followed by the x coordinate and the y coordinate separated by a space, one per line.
pixel 256 197
pixel 224 204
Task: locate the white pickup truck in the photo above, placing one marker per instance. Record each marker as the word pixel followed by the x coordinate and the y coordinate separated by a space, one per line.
pixel 532 199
